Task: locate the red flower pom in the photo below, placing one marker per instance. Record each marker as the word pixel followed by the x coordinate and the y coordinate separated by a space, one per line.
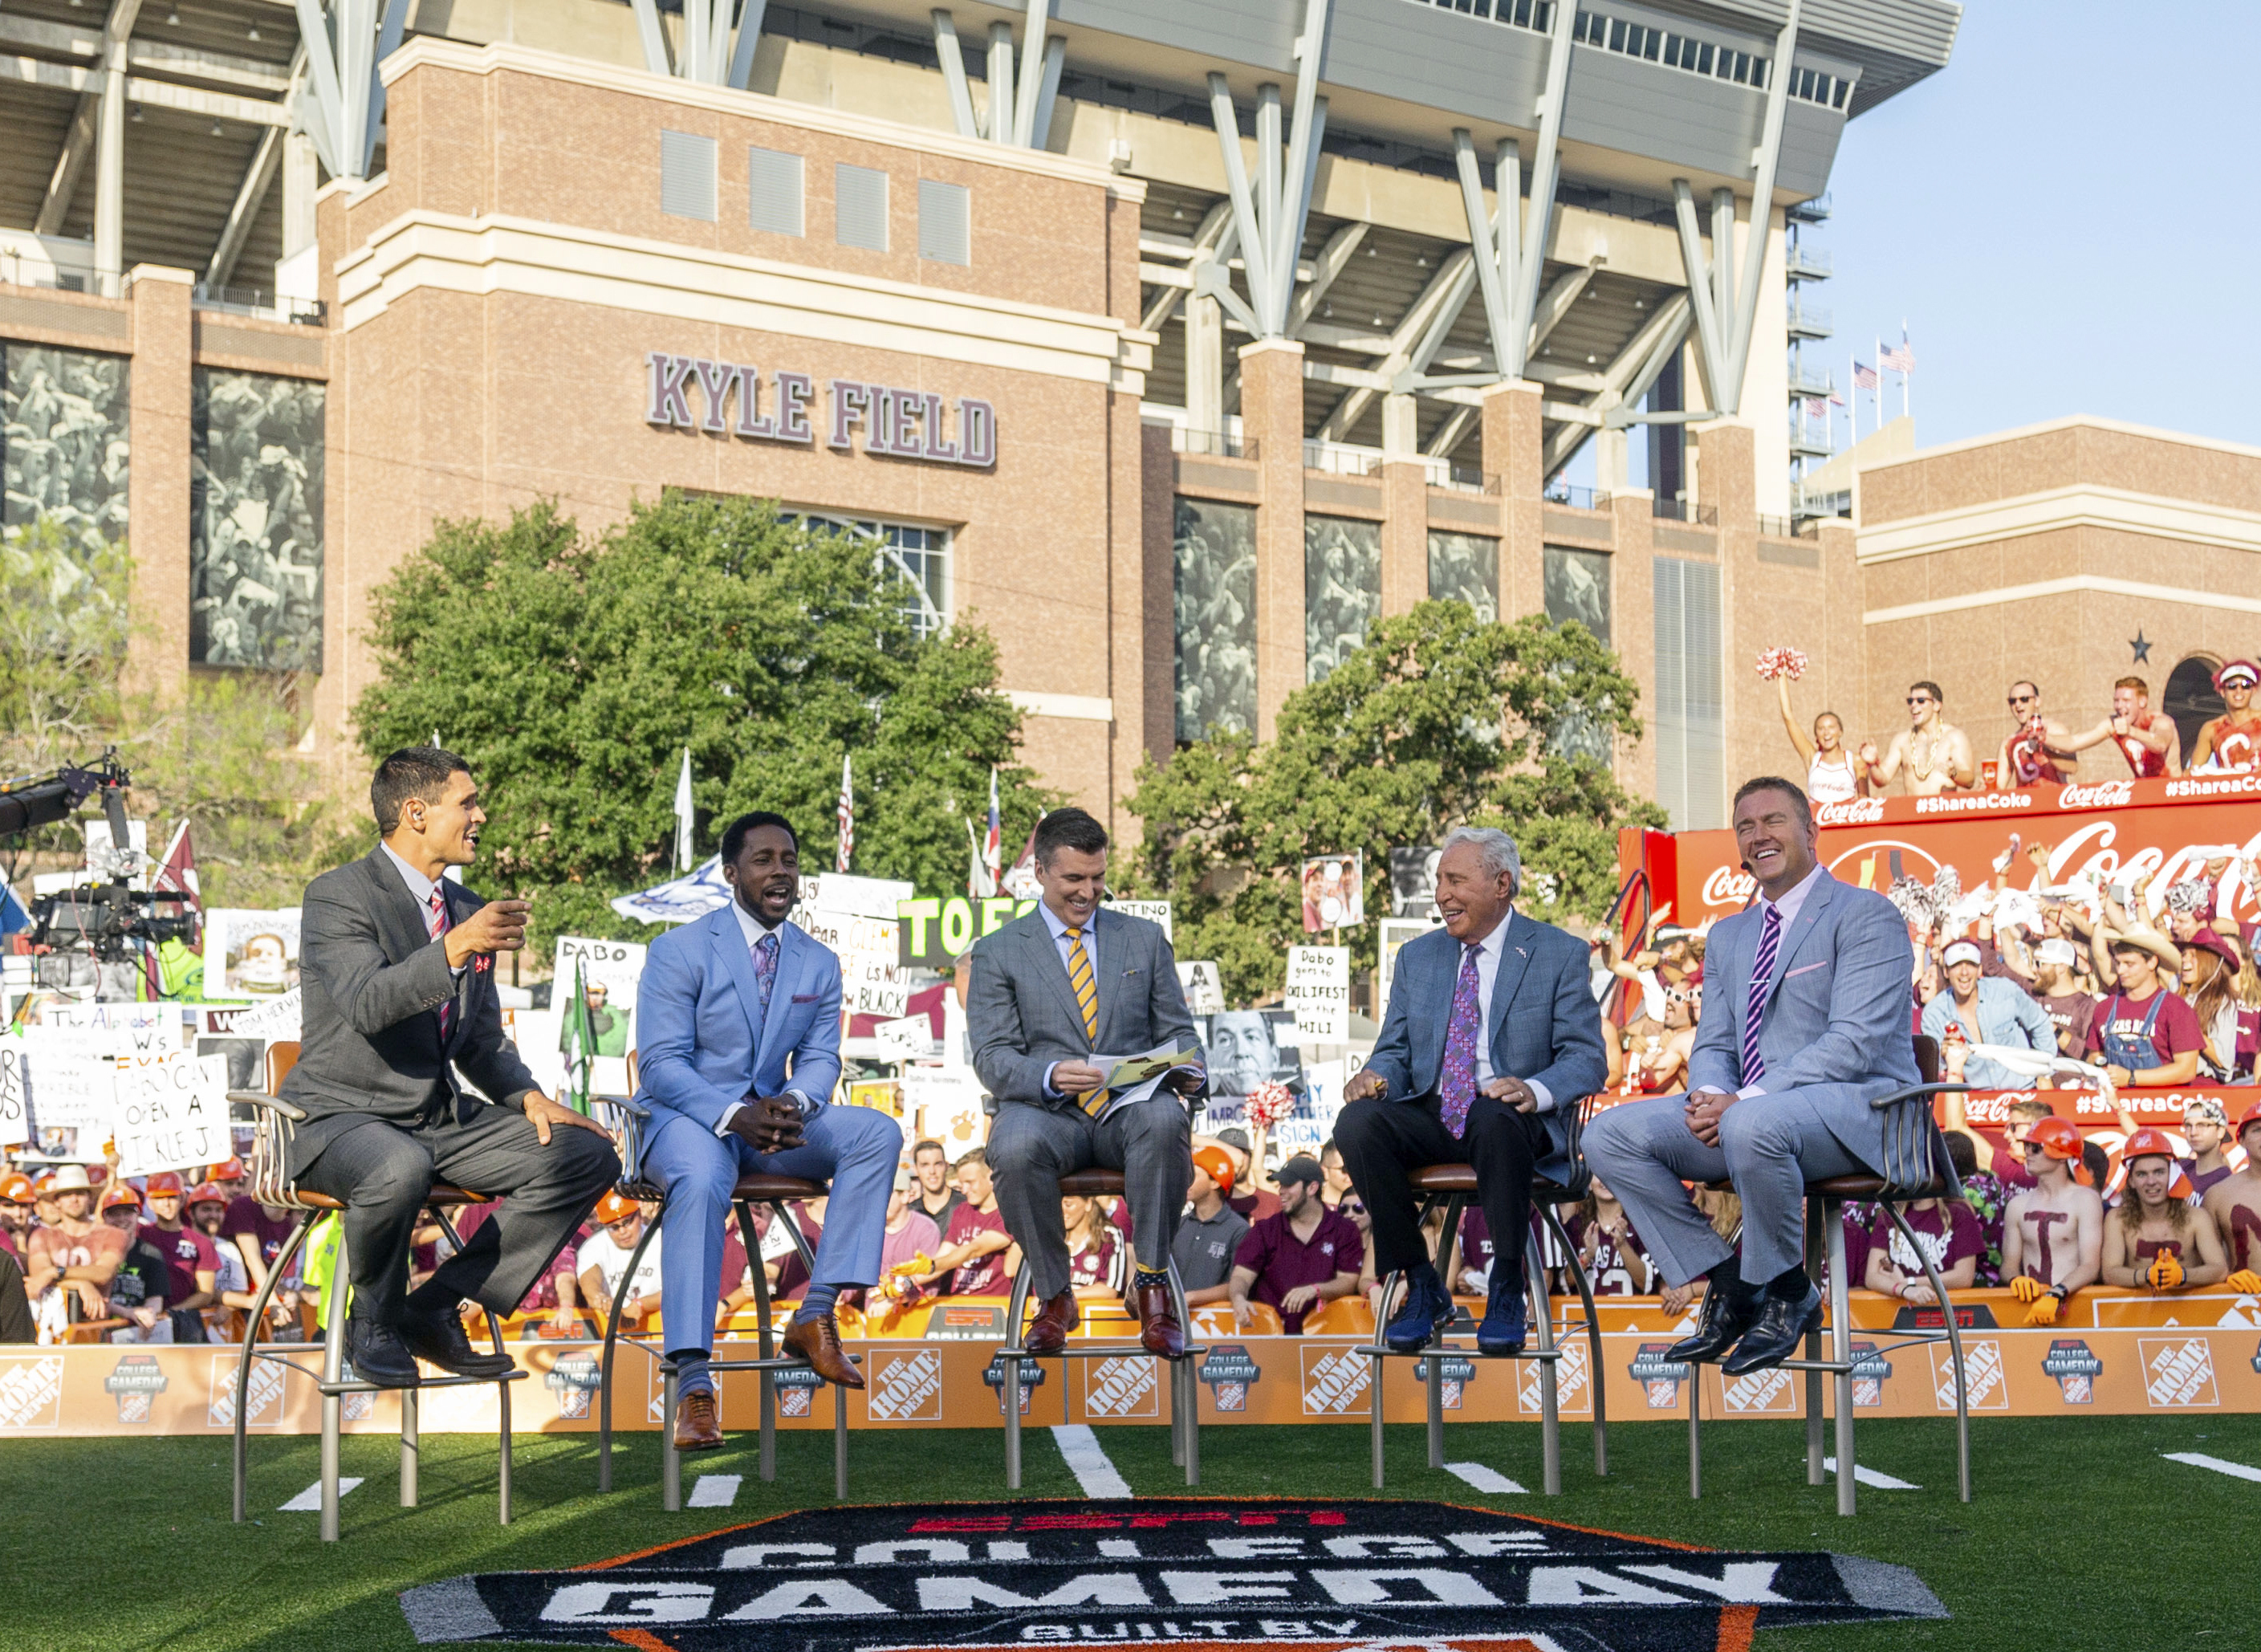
pixel 1270 1102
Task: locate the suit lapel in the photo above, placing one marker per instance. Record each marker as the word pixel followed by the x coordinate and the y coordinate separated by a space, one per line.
pixel 1809 919
pixel 728 943
pixel 458 909
pixel 1107 944
pixel 1514 959
pixel 398 917
pixel 1053 968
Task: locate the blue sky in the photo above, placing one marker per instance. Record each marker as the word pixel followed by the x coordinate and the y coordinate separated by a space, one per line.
pixel 2065 216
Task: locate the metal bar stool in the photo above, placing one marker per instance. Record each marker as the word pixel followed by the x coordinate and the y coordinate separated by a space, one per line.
pixel 775 1192
pixel 1185 1383
pixel 1916 1167
pixel 1452 1185
pixel 270 1185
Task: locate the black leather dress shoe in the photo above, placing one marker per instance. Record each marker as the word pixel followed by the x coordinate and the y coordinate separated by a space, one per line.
pixel 1775 1335
pixel 441 1339
pixel 377 1355
pixel 1727 1314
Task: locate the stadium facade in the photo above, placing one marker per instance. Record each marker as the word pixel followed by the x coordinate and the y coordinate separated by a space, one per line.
pixel 1172 340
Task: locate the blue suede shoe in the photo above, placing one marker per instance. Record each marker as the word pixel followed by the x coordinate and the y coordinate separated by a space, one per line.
pixel 1427 1310
pixel 1506 1322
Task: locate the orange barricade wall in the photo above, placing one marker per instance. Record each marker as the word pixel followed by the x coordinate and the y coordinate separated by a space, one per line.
pixel 2113 1353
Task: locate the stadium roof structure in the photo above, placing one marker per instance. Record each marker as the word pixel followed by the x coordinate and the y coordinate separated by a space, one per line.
pixel 1354 210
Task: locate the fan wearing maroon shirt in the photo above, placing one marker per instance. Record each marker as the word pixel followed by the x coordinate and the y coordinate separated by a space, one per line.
pixel 1305 1255
pixel 556 1293
pixel 1948 1231
pixel 259 1234
pixel 973 1259
pixel 193 1258
pixel 2142 1033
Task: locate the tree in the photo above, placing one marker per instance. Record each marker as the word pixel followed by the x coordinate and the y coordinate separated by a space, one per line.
pixel 570 670
pixel 1439 720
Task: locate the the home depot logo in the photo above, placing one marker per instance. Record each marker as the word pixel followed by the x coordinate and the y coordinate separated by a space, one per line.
pixel 907 1389
pixel 1660 1378
pixel 796 1392
pixel 1456 1372
pixel 2076 1367
pixel 1334 1380
pixel 1571 1372
pixel 1121 1386
pixel 263 1407
pixel 135 1382
pixel 1768 1391
pixel 573 1378
pixel 2178 1371
pixel 1228 1370
pixel 31 1392
pixel 1982 1368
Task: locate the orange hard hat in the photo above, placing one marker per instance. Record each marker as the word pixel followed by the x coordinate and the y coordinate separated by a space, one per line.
pixel 165 1182
pixel 120 1193
pixel 17 1188
pixel 2058 1138
pixel 1217 1164
pixel 2252 1116
pixel 2146 1142
pixel 231 1171
pixel 207 1193
pixel 613 1208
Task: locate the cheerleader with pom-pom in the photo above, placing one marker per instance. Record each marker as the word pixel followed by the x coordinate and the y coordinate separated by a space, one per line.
pixel 1830 774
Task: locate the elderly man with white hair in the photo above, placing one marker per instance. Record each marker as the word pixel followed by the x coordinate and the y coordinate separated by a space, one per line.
pixel 1490 1041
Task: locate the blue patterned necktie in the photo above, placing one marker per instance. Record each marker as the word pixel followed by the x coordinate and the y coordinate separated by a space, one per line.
pixel 1755 1006
pixel 765 956
pixel 1456 1086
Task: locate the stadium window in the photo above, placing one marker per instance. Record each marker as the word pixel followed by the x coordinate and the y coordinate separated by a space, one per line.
pixel 859 201
pixel 1704 59
pixel 773 191
pixel 945 222
pixel 686 176
pixel 920 557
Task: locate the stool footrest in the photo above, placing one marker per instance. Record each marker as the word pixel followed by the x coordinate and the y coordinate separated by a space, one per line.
pixel 1545 1357
pixel 429 1381
pixel 1103 1351
pixel 781 1362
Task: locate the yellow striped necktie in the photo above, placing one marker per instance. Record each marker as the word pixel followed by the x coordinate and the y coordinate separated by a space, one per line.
pixel 1079 976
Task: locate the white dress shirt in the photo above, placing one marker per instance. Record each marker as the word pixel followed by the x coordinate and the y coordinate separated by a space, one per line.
pixel 1488 952
pixel 419 891
pixel 753 928
pixel 1793 901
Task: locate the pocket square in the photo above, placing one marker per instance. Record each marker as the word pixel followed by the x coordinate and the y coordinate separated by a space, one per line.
pixel 805 998
pixel 1807 969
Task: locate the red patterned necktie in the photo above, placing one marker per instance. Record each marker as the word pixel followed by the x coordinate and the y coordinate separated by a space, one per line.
pixel 1457 1084
pixel 435 925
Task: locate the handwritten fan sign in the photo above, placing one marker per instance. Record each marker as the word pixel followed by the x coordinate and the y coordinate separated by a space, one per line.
pixel 15 1095
pixel 172 1113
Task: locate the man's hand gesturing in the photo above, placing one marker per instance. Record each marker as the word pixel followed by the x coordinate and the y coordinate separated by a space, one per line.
pixel 772 1124
pixel 499 926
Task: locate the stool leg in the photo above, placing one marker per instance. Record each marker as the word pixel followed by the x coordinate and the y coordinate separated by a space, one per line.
pixel 502 1456
pixel 1840 1353
pixel 1954 1354
pixel 1695 1432
pixel 333 1359
pixel 1189 1386
pixel 1008 1391
pixel 671 1459
pixel 1816 1252
pixel 1381 1366
pixel 251 1329
pixel 1432 1372
pixel 839 1443
pixel 409 1447
pixel 1595 1381
pixel 766 1338
pixel 1550 1394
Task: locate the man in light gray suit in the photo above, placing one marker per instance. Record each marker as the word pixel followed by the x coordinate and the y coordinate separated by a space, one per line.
pixel 1806 1019
pixel 1048 992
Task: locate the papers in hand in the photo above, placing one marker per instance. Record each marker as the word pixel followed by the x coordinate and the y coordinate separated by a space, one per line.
pixel 1132 1079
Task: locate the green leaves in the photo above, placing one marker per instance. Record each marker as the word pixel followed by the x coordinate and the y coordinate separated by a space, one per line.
pixel 572 670
pixel 1438 721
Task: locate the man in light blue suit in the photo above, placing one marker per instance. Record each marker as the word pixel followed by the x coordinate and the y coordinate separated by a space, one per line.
pixel 1490 1042
pixel 1807 1020
pixel 738 1052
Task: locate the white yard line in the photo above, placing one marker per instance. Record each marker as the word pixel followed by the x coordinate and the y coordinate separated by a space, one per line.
pixel 1869 1476
pixel 309 1500
pixel 2219 1465
pixel 715 1490
pixel 1087 1462
pixel 1483 1479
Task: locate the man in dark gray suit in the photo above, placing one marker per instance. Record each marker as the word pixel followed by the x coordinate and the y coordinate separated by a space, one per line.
pixel 1491 1043
pixel 1048 992
pixel 397 973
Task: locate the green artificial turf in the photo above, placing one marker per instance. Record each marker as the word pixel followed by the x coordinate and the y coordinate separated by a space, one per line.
pixel 2080 1534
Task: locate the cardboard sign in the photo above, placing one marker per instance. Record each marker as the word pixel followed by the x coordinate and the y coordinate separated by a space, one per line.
pixel 936 933
pixel 1152 911
pixel 1204 985
pixel 250 954
pixel 909 1038
pixel 171 1113
pixel 1318 991
pixel 15 1095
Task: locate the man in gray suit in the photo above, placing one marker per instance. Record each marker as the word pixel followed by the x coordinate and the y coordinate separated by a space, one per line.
pixel 1048 992
pixel 1806 1019
pixel 397 972
pixel 1490 1042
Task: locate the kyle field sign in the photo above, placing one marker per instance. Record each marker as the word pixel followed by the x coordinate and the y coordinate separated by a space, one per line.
pixel 1190 1572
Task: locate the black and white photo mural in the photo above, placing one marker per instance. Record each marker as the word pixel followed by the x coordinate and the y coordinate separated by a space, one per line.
pixel 1465 568
pixel 1214 587
pixel 66 445
pixel 256 522
pixel 1342 589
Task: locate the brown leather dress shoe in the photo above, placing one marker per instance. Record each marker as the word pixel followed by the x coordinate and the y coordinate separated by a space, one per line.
pixel 818 1341
pixel 697 1428
pixel 1161 1333
pixel 1048 1331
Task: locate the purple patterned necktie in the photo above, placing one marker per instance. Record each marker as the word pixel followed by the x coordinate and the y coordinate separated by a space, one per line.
pixel 765 956
pixel 1456 1086
pixel 1755 1006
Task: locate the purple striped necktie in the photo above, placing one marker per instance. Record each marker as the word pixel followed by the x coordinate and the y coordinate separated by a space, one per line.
pixel 1456 1085
pixel 435 925
pixel 1755 1006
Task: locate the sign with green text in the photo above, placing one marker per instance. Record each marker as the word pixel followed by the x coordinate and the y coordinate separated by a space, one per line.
pixel 935 932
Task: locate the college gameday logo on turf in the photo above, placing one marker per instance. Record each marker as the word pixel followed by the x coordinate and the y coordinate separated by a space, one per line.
pixel 1168 1573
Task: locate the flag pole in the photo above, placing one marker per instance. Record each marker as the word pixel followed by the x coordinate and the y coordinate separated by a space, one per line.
pixel 1905 373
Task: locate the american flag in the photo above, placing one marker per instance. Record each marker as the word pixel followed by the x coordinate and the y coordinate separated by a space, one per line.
pixel 847 818
pixel 1899 361
pixel 1817 406
pixel 1864 378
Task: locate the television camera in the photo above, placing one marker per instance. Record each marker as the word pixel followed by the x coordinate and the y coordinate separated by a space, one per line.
pixel 103 917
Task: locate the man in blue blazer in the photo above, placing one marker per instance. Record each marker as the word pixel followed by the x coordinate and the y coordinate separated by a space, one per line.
pixel 1490 1042
pixel 738 1052
pixel 1806 1019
